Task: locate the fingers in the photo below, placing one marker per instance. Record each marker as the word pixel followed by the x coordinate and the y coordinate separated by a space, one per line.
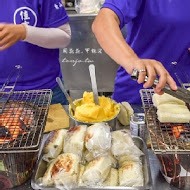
pixel 5 46
pixel 2 26
pixel 154 69
pixel 151 76
pixel 10 34
pixel 4 40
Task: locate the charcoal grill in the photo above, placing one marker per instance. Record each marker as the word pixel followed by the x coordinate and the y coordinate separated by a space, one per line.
pixel 23 116
pixel 23 119
pixel 173 151
pixel 162 135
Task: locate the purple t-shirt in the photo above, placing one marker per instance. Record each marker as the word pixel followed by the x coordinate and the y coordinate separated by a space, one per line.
pixel 156 29
pixel 40 65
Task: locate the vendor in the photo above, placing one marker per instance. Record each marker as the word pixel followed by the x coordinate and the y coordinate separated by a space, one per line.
pixel 157 43
pixel 30 34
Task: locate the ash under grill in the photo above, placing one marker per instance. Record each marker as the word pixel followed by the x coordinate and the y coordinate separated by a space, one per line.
pixel 166 138
pixel 22 119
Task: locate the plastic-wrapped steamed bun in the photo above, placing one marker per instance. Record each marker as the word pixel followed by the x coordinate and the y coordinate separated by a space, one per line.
pixel 74 140
pixel 63 171
pixel 98 139
pixel 122 144
pixel 130 174
pixel 96 171
pixel 54 144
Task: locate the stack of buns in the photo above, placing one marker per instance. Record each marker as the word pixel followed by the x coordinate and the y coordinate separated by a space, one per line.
pixel 171 109
pixel 92 156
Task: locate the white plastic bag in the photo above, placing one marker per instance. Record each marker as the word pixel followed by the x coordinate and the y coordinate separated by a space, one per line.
pixel 87 6
pixel 98 139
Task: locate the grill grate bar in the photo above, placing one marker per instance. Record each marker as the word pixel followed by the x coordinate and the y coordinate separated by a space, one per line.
pixel 23 119
pixel 163 135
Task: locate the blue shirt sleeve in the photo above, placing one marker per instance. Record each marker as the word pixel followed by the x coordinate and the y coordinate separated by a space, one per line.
pixel 126 10
pixel 52 13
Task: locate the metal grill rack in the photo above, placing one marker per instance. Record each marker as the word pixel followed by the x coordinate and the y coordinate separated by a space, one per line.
pixel 23 120
pixel 162 135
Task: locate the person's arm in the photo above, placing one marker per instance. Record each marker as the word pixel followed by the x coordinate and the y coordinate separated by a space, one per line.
pixel 43 37
pixel 107 31
pixel 49 37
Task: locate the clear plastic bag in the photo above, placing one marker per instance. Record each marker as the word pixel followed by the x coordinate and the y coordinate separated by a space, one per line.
pixel 122 144
pixel 74 140
pixel 130 174
pixel 87 6
pixel 98 139
pixel 62 172
pixel 54 144
pixel 96 171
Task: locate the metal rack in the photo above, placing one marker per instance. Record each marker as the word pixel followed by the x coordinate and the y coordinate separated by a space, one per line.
pixel 162 135
pixel 23 120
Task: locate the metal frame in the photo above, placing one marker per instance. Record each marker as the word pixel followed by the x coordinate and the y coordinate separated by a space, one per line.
pixel 28 110
pixel 163 140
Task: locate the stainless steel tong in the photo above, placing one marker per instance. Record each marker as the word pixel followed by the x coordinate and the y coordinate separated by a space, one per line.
pixel 180 93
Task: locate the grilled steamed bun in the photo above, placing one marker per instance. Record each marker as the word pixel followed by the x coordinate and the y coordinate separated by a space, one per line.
pixel 112 179
pixel 173 113
pixel 122 144
pixel 54 144
pixel 74 141
pixel 81 171
pixel 63 171
pixel 96 171
pixel 165 99
pixel 98 139
pixel 125 113
pixel 130 174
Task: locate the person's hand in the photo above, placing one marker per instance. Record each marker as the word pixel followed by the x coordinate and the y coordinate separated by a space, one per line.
pixel 152 69
pixel 10 34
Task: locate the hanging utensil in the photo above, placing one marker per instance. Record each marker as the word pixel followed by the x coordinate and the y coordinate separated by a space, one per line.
pixel 180 93
pixel 60 83
pixel 94 84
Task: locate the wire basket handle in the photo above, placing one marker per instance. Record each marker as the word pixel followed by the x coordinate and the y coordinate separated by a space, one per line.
pixel 16 71
pixel 7 88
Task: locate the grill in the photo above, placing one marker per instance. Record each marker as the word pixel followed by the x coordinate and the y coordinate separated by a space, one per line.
pixel 166 138
pixel 23 116
pixel 23 119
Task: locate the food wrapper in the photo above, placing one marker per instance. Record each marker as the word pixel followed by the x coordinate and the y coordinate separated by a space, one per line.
pixel 95 162
pixel 122 144
pixel 98 139
pixel 81 171
pixel 74 141
pixel 96 171
pixel 89 156
pixel 112 179
pixel 128 157
pixel 130 174
pixel 62 172
pixel 54 144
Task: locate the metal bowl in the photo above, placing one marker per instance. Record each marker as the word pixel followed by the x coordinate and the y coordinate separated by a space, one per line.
pixel 111 122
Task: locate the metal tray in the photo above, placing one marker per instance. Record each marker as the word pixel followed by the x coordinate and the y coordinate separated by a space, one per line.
pixel 41 168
